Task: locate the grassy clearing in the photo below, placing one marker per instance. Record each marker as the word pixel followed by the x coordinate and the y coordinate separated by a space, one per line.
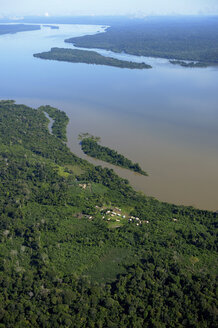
pixel 98 188
pixel 76 169
pixel 61 172
pixel 110 265
pixel 113 224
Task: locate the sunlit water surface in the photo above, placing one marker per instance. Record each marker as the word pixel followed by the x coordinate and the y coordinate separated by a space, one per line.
pixel 165 118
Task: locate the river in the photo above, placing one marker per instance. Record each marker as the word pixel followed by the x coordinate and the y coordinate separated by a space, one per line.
pixel 165 118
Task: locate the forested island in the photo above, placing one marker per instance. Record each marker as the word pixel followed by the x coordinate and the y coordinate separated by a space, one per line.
pixel 88 57
pixel 182 38
pixel 14 28
pixel 90 147
pixel 80 248
pixel 189 64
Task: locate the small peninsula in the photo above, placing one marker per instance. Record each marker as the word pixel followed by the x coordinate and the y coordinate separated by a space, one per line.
pixel 88 57
pixel 90 147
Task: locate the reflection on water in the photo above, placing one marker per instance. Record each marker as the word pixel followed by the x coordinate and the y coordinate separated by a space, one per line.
pixel 164 118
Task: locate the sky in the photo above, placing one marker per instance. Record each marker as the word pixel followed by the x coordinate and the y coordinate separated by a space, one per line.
pixel 105 7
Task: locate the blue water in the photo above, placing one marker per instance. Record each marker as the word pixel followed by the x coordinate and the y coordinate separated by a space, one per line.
pixel 165 118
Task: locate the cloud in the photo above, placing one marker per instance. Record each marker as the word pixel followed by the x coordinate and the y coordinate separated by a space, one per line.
pixel 107 7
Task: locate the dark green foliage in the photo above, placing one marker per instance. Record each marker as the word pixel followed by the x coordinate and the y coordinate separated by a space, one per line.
pixel 92 148
pixel 61 120
pixel 28 128
pixel 60 264
pixel 88 57
pixel 183 38
pixel 14 28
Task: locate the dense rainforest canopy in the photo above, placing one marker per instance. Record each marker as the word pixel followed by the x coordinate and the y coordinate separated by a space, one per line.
pixel 80 248
pixel 183 38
